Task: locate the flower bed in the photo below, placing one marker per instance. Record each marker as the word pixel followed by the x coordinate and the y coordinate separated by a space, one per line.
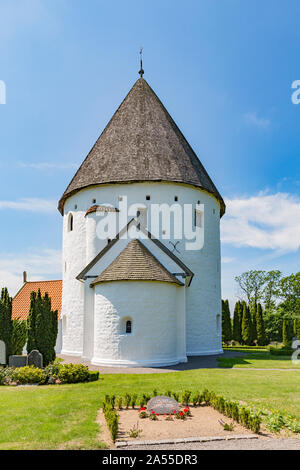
pixel 241 416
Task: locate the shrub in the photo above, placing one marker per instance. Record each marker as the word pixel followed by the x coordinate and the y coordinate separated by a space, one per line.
pixel 120 403
pixel 186 397
pixel 168 393
pixel 175 396
pixel 6 375
pixel 127 400
pixel 133 400
pixel 52 369
pixel 73 373
pixel 28 375
pixel 18 336
pixel 112 419
pixel 93 375
pixel 284 351
pixel 155 392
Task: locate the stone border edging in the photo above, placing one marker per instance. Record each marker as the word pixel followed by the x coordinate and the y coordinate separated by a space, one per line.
pixel 184 440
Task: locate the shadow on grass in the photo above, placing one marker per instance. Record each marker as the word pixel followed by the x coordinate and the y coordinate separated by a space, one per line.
pixel 257 360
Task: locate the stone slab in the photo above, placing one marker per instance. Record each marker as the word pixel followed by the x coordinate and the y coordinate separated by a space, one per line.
pixel 163 405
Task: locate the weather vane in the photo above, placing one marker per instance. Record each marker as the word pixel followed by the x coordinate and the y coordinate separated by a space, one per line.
pixel 141 71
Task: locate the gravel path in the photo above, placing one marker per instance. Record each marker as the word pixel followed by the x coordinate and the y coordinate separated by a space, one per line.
pixel 241 444
pixel 194 362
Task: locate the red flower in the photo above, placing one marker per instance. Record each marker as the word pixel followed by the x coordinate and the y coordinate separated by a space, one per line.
pixel 142 409
pixel 152 412
pixel 157 414
pixel 174 412
pixel 186 410
pixel 181 414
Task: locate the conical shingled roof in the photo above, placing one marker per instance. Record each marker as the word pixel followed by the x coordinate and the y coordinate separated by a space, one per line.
pixel 141 143
pixel 136 263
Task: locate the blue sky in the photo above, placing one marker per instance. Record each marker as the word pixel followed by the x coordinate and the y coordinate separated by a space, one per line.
pixel 222 68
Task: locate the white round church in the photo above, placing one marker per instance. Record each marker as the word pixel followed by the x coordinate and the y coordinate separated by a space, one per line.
pixel 139 291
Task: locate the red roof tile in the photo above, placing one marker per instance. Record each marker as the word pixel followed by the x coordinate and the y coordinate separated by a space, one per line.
pixel 21 301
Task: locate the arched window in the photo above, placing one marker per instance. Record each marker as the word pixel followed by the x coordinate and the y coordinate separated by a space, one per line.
pixel 70 222
pixel 128 327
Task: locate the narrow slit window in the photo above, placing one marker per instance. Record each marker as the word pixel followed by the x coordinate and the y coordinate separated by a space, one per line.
pixel 128 327
pixel 70 223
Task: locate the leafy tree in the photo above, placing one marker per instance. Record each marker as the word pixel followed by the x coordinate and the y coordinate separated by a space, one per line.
pixel 6 320
pixel 18 336
pixel 237 322
pixel 289 291
pixel 271 289
pixel 246 325
pixel 226 322
pixel 273 325
pixel 261 336
pixel 251 284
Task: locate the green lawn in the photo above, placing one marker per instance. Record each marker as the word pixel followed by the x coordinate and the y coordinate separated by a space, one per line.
pixel 258 360
pixel 64 416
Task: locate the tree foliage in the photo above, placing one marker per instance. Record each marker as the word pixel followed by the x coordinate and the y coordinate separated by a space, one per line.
pixel 260 328
pixel 6 320
pixel 226 322
pixel 237 322
pixel 246 325
pixel 42 327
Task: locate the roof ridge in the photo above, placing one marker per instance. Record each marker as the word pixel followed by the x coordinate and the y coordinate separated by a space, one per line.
pixel 149 268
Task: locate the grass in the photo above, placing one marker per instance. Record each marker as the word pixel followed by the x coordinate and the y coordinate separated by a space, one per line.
pixel 64 416
pixel 258 360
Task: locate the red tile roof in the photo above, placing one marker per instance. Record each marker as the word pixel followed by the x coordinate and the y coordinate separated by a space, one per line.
pixel 21 301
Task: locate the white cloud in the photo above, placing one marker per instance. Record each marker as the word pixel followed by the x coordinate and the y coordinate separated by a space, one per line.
pixel 43 166
pixel 40 265
pixel 227 259
pixel 267 221
pixel 30 204
pixel 254 120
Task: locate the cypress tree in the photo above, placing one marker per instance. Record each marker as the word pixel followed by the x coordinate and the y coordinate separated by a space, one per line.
pixel 237 327
pixel 46 331
pixel 253 320
pixel 246 325
pixel 6 320
pixel 297 327
pixel 286 332
pixel 226 322
pixel 31 321
pixel 261 335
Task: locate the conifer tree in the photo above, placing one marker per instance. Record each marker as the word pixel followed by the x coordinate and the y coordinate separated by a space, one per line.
pixel 226 322
pixel 246 325
pixel 31 321
pixel 297 327
pixel 261 335
pixel 237 324
pixel 253 320
pixel 42 327
pixel 6 320
pixel 286 332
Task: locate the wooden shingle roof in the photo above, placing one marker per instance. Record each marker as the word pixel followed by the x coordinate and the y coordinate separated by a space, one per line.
pixel 141 143
pixel 136 263
pixel 21 301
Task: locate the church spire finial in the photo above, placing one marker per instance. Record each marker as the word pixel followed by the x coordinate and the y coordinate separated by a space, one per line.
pixel 141 71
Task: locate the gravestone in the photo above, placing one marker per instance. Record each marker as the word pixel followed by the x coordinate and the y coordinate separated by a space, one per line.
pixel 35 358
pixel 2 353
pixel 17 361
pixel 163 405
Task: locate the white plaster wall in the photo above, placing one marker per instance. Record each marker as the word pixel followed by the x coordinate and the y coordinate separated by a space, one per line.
pixel 156 321
pixel 203 297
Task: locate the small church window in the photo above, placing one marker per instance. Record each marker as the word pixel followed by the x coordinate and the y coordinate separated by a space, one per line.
pixel 148 197
pixel 70 223
pixel 75 207
pixel 94 201
pixel 128 326
pixel 176 198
